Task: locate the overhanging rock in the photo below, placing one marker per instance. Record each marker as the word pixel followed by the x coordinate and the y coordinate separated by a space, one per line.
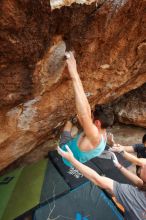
pixel 36 93
pixel 60 3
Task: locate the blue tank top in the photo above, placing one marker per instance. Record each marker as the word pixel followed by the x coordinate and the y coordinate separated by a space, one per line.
pixel 81 155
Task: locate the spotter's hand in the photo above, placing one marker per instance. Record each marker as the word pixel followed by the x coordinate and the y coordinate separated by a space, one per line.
pixel 66 154
pixel 110 139
pixel 115 160
pixel 117 148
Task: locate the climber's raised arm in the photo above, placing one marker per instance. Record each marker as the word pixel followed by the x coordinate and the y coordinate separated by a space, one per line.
pixel 82 104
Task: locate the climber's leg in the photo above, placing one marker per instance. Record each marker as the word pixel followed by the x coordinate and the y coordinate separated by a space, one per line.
pixel 66 134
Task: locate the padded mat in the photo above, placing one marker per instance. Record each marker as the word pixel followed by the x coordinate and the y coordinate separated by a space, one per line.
pixel 72 176
pixel 87 202
pixel 29 187
pixel 27 191
pixel 54 184
pixel 109 170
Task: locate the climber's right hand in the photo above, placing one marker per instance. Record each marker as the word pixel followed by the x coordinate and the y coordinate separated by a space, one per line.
pixel 71 62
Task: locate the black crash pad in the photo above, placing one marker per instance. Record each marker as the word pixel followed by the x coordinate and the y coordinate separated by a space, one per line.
pixel 87 202
pixel 72 176
pixel 24 189
pixel 109 170
pixel 53 185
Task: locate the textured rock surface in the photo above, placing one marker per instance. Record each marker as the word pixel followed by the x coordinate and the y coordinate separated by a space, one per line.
pixel 35 97
pixel 131 108
pixel 60 3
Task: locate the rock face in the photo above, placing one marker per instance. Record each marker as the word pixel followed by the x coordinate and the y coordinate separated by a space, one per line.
pixel 131 108
pixel 60 3
pixel 36 96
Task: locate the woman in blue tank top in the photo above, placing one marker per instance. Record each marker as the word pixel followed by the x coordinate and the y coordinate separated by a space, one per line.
pixel 81 155
pixel 93 142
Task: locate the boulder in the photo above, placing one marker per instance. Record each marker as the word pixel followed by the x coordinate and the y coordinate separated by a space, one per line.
pixel 131 107
pixel 36 94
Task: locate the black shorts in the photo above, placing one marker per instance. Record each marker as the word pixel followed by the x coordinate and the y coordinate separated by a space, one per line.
pixel 65 138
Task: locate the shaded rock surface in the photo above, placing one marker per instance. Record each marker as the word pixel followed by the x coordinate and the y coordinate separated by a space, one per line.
pixel 131 108
pixel 36 93
pixel 127 134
